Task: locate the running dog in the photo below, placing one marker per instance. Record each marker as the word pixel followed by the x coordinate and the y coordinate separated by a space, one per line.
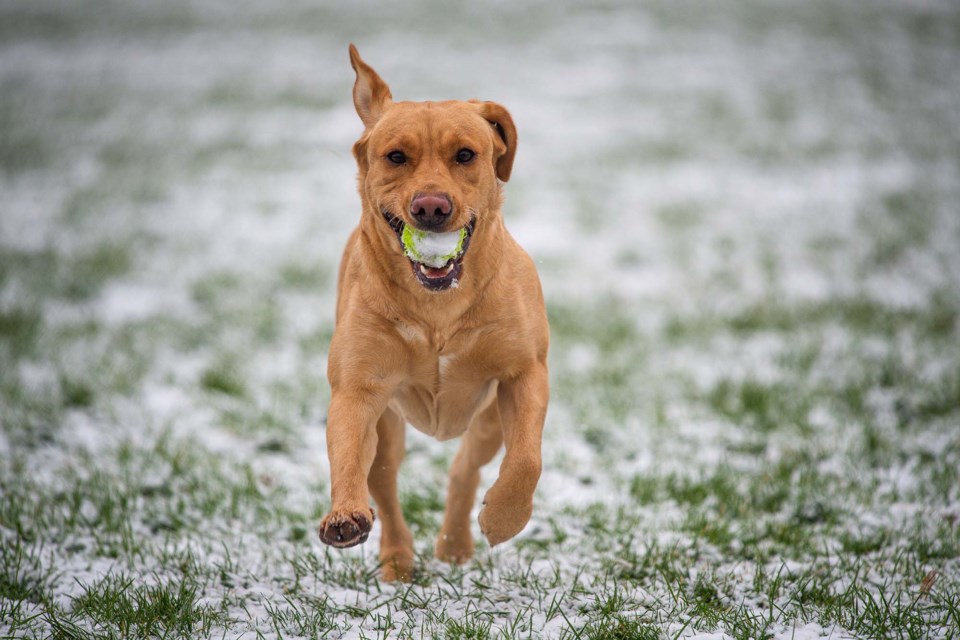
pixel 455 346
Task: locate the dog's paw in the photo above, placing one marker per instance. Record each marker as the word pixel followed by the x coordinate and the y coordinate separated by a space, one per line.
pixel 455 549
pixel 503 516
pixel 346 529
pixel 396 566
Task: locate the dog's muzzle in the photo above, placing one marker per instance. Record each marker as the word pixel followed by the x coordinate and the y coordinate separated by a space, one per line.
pixel 433 278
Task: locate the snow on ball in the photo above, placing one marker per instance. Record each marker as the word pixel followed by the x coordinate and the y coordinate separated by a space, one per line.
pixel 432 249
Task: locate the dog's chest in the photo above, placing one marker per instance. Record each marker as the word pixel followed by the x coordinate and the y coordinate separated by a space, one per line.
pixel 444 391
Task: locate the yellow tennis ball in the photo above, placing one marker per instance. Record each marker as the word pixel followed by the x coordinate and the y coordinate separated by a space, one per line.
pixel 432 249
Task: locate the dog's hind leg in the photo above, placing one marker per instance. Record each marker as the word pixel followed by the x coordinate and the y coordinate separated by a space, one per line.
pixel 396 541
pixel 479 445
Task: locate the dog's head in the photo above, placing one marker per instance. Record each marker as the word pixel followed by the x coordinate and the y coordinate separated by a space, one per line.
pixel 432 166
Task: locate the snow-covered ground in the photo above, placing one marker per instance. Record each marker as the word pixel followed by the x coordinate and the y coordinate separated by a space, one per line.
pixel 746 218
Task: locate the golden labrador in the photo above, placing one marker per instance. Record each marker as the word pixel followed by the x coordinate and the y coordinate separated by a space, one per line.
pixel 454 348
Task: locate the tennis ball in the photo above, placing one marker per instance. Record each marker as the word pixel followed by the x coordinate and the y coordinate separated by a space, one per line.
pixel 432 249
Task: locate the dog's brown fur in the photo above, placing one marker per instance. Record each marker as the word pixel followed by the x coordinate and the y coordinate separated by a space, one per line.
pixel 470 360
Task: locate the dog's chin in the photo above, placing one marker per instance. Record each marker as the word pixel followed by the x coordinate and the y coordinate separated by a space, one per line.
pixel 432 278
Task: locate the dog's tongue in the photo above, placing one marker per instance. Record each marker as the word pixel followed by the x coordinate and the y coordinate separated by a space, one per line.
pixel 433 272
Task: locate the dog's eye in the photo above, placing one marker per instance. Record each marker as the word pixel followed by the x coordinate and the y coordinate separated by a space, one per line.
pixel 396 157
pixel 465 155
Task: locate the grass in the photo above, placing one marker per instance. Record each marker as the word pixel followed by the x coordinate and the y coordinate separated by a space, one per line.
pixel 744 220
pixel 144 611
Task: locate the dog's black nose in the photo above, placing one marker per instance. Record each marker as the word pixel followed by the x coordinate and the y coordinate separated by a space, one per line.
pixel 431 210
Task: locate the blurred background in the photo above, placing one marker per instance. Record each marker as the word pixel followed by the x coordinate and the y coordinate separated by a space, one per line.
pixel 746 217
pixel 191 160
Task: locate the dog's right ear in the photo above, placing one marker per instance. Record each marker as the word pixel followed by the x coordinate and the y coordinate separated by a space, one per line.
pixel 371 95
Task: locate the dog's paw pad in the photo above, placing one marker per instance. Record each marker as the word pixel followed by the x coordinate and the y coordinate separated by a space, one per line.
pixel 342 531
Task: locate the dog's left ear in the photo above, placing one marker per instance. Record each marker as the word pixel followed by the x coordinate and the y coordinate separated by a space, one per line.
pixel 371 95
pixel 502 123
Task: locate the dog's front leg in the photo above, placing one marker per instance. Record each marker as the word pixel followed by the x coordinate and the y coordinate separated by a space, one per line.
pixel 509 502
pixel 351 448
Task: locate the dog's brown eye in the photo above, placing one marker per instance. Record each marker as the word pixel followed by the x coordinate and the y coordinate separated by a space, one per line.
pixel 465 155
pixel 396 157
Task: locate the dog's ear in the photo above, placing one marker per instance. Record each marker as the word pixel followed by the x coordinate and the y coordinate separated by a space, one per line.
pixel 506 132
pixel 371 95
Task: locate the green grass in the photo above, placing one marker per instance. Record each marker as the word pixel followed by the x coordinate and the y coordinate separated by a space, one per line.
pixel 118 607
pixel 20 149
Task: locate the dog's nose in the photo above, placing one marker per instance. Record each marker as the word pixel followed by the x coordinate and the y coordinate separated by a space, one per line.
pixel 431 210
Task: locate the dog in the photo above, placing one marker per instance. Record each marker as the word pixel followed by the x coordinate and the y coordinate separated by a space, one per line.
pixel 455 350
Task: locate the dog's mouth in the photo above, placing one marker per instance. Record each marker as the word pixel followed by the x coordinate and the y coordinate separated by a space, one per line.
pixel 436 258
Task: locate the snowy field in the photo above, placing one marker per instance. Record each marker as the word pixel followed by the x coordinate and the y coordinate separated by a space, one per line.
pixel 746 218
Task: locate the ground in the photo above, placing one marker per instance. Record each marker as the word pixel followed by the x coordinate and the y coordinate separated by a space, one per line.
pixel 746 218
